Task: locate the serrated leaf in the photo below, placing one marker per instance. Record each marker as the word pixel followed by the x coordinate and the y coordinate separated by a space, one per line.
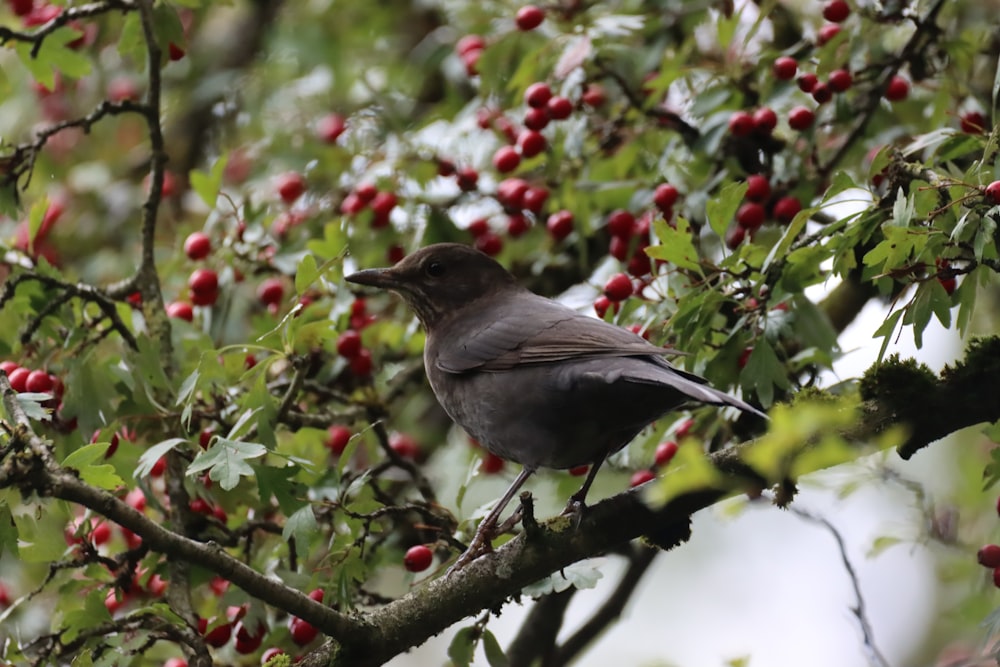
pixel 31 403
pixel 149 457
pixel 78 620
pixel 300 525
pixel 721 209
pixel 494 654
pixel 226 461
pixel 763 371
pixel 84 459
pixel 462 647
pixel 676 245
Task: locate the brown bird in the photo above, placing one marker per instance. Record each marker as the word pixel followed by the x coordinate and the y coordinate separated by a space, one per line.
pixel 532 380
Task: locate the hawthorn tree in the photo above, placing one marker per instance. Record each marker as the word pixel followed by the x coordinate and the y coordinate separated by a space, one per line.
pixel 214 450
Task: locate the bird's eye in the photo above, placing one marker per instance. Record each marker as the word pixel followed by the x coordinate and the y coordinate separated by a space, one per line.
pixel 435 269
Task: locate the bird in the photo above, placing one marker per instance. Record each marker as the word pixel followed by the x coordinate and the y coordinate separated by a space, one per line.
pixel 533 380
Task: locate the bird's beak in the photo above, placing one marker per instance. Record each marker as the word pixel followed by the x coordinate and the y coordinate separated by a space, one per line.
pixel 384 278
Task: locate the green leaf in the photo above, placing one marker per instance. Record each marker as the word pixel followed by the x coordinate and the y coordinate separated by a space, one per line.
pixel 131 42
pixel 207 185
pixel 721 209
pixel 31 403
pixel 84 459
pixel 79 620
pixel 306 273
pixel 462 647
pixel 763 371
pixel 690 471
pixel 886 331
pixel 149 457
pixel 494 654
pixel 676 245
pixel 226 461
pixel 300 525
pixel 40 536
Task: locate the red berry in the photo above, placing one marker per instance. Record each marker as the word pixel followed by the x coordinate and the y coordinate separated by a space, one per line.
pixel 365 191
pixel 337 437
pixel 491 464
pixel 579 471
pixel 740 123
pixel 21 7
pixel 750 216
pixel 992 193
pixel 470 43
pixel 665 452
pixel 898 89
pixel 559 107
pixel 18 379
pixel 641 477
pixel 330 127
pixel 39 382
pixel 807 82
pixel 290 186
pixel 349 344
pixel 531 143
pixel 839 80
pixel 517 225
pixel 684 429
pixel 361 363
pixel 594 95
pixel 538 94
pixel 664 196
pixel 621 224
pixel 619 248
pixel 744 357
pixel 8 367
pixel 510 192
pixel 316 595
pixel 786 208
pixel 996 577
pixel 489 243
pixel 758 188
pixel 302 632
pixel 271 291
pixel 560 224
pixel 618 287
pixel 764 120
pixel 800 118
pixel 352 204
pixel 529 17
pixel 197 245
pixel 217 636
pixel 603 303
pixel 506 159
pixel 785 68
pixel 404 445
pixel 836 10
pixel 735 236
pixel 247 640
pixel 383 203
pixel 973 122
pixel 537 118
pixel 468 179
pixel 418 558
pixel 479 227
pixel 827 32
pixel 821 93
pixel 203 282
pixel 534 199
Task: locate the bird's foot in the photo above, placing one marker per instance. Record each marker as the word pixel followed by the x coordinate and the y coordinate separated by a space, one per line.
pixel 575 509
pixel 481 544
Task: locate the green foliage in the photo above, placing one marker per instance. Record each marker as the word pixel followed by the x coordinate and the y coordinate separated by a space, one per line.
pixel 216 428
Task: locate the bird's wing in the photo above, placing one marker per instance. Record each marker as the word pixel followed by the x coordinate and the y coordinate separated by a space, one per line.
pixel 534 331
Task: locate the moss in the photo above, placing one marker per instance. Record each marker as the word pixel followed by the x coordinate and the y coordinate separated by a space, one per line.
pixel 898 382
pixel 982 357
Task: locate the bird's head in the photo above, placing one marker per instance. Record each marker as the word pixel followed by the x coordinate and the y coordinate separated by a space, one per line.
pixel 439 279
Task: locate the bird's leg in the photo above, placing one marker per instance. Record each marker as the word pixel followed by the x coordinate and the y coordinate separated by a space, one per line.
pixel 577 503
pixel 481 541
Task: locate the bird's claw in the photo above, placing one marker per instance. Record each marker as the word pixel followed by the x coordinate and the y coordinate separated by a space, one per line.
pixel 480 546
pixel 575 509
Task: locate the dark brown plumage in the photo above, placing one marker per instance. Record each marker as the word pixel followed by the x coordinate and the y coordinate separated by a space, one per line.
pixel 531 379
